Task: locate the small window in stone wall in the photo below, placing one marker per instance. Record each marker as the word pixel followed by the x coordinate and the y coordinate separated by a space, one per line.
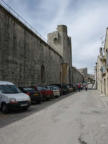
pixel 42 73
pixel 55 40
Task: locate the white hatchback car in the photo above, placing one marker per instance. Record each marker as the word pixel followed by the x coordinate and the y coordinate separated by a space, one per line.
pixel 56 90
pixel 12 98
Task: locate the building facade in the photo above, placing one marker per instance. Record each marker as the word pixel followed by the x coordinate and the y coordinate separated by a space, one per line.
pixel 102 68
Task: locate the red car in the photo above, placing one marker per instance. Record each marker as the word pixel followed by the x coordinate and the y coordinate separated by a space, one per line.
pixel 33 93
pixel 45 92
pixel 49 91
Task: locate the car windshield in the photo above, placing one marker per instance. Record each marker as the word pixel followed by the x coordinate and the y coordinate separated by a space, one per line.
pixel 40 88
pixel 9 89
pixel 55 88
pixel 48 88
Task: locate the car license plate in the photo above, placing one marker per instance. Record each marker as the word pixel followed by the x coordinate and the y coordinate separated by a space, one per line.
pixel 23 105
pixel 35 94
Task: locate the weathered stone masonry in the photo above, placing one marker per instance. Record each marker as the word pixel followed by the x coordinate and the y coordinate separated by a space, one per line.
pixel 61 42
pixel 25 58
pixel 77 76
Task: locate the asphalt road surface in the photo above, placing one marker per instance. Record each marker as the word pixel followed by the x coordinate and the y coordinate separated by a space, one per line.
pixel 79 118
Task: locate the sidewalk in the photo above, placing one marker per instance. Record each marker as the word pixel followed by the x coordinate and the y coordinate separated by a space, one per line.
pixel 103 98
pixel 94 120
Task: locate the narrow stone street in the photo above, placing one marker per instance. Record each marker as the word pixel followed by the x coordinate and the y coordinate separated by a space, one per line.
pixel 81 118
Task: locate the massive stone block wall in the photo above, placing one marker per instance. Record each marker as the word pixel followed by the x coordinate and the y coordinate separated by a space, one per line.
pixel 77 77
pixel 25 59
pixel 61 42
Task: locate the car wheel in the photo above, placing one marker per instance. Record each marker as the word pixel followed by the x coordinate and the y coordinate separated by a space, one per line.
pixel 4 108
pixel 25 108
pixel 39 102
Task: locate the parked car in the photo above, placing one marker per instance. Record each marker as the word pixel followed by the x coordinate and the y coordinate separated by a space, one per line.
pixel 65 89
pixel 60 88
pixel 50 91
pixel 56 90
pixel 75 87
pixel 33 93
pixel 12 98
pixel 70 88
pixel 46 94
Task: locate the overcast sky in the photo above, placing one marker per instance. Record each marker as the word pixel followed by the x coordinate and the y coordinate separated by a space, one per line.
pixel 87 21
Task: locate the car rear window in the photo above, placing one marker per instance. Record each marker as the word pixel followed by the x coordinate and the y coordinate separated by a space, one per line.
pixel 40 88
pixel 29 89
pixel 56 88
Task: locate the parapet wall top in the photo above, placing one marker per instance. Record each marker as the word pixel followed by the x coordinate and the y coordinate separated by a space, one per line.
pixel 62 28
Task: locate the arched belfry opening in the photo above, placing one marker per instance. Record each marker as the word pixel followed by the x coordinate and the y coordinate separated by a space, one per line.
pixel 42 73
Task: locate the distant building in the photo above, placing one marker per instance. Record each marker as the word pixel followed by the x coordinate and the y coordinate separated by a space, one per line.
pixel 83 71
pixel 87 77
pixel 77 77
